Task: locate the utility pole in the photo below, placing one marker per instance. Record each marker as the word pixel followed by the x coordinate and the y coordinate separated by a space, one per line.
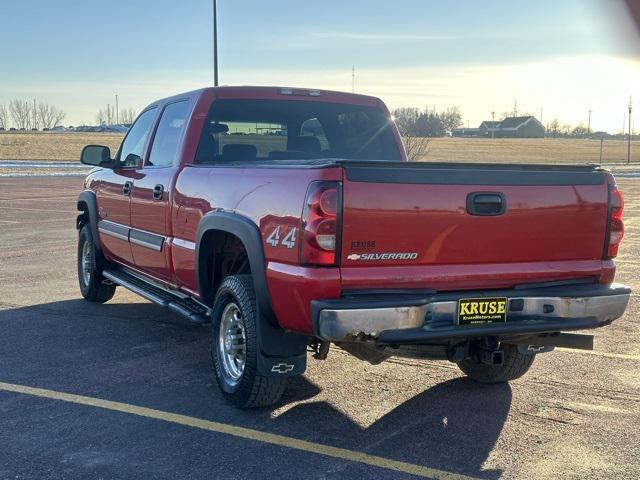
pixel 601 144
pixel 493 124
pixel 117 109
pixel 589 123
pixel 629 141
pixel 353 79
pixel 515 108
pixel 215 43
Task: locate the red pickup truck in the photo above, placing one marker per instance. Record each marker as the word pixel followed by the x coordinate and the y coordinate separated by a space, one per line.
pixel 289 219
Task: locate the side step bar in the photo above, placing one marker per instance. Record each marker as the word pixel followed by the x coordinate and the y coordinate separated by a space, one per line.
pixel 194 311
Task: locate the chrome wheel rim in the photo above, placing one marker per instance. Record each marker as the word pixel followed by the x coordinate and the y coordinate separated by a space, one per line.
pixel 86 263
pixel 232 342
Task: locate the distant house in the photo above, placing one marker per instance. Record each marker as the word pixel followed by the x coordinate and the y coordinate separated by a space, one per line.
pixel 510 127
pixel 488 127
pixel 466 132
pixel 519 127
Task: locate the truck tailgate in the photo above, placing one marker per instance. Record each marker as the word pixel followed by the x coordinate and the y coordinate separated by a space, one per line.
pixel 427 214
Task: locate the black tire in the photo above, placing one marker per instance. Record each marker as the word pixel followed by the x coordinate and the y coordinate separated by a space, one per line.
pixel 250 389
pixel 91 282
pixel 515 365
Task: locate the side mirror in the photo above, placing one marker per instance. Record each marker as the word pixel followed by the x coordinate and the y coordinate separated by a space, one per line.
pixel 217 128
pixel 97 156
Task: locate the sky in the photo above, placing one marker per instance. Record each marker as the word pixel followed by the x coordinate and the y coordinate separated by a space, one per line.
pixel 558 58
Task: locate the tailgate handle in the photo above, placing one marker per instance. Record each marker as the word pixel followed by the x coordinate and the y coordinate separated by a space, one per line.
pixel 486 203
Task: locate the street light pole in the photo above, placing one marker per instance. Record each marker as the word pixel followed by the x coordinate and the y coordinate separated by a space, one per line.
pixel 215 43
pixel 493 124
pixel 629 140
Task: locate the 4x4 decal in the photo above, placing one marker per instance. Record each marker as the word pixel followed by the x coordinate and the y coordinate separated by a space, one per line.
pixel 288 241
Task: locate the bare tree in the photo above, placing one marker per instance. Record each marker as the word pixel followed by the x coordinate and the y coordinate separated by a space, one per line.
pixel 4 116
pixel 48 115
pixel 57 115
pixel 580 130
pixel 20 112
pixel 553 128
pixel 416 148
pixel 128 115
pixel 406 119
pixel 451 118
pixel 106 116
pixel 101 116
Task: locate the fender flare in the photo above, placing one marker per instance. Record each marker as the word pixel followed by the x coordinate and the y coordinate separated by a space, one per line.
pixel 249 235
pixel 88 198
pixel 276 345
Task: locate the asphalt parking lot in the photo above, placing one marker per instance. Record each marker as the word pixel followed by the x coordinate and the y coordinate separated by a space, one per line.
pixel 125 389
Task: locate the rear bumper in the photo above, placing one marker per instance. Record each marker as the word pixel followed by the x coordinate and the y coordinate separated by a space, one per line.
pixel 402 319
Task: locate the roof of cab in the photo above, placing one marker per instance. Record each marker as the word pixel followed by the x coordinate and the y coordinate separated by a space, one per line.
pixel 275 93
pixel 288 93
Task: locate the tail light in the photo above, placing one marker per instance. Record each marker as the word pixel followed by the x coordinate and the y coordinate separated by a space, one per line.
pixel 320 225
pixel 615 227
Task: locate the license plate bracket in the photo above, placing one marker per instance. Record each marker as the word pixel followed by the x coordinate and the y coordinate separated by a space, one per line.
pixel 479 311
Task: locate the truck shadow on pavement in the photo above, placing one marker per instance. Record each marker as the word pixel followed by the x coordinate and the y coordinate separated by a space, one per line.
pixel 452 426
pixel 144 355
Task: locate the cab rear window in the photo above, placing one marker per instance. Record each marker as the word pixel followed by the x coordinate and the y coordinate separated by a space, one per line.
pixel 245 130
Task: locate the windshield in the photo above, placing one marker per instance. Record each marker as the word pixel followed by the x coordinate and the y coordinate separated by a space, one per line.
pixel 241 130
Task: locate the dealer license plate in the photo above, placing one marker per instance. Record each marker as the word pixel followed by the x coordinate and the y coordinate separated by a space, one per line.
pixel 477 311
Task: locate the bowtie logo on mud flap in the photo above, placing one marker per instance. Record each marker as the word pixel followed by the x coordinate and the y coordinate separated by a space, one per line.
pixel 282 368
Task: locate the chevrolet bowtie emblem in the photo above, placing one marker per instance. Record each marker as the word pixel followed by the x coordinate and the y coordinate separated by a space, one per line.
pixel 282 368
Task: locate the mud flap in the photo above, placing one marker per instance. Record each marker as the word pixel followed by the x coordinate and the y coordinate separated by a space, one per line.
pixel 281 353
pixel 533 349
pixel 281 366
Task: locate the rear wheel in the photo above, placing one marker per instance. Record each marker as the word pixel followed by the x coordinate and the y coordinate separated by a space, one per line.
pixel 514 365
pixel 234 346
pixel 92 284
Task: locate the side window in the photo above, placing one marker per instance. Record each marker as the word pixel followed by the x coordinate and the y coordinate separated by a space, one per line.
pixel 168 134
pixel 367 136
pixel 313 128
pixel 133 144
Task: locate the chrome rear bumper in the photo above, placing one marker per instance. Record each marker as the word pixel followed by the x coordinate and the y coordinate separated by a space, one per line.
pixel 435 317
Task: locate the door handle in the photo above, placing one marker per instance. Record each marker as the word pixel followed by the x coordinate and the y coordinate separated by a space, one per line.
pixel 486 203
pixel 126 188
pixel 158 190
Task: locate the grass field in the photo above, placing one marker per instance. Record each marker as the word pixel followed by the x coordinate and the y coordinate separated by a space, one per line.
pixel 67 146
pixel 52 146
pixel 529 150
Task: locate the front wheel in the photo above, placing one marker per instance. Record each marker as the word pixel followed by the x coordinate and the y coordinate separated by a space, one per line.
pixel 234 346
pixel 514 365
pixel 92 284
